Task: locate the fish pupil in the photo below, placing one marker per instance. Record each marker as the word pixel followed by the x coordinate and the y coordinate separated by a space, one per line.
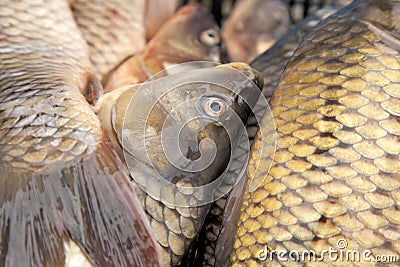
pixel 215 106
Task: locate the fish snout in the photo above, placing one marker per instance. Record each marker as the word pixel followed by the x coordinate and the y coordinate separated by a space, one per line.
pixel 254 75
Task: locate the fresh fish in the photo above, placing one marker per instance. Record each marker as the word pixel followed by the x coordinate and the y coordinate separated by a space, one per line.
pixel 175 227
pixel 270 64
pixel 113 29
pixel 191 34
pixel 157 12
pixel 334 182
pixel 62 185
pixel 254 26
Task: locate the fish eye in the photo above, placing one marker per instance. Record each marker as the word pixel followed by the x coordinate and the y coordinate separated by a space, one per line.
pixel 214 106
pixel 210 37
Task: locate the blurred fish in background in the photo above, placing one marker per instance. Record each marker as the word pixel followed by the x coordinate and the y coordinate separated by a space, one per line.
pixel 299 9
pixel 157 12
pixel 254 26
pixel 250 27
pixel 192 34
pixel 113 30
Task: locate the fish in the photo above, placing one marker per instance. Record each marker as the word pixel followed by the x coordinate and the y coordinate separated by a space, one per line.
pixel 190 35
pixel 220 222
pixel 300 10
pixel 253 26
pixel 63 187
pixel 157 12
pixel 334 179
pixel 113 30
pixel 270 64
pixel 176 226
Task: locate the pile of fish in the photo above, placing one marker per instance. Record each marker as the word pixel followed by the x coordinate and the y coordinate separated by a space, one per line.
pixel 94 96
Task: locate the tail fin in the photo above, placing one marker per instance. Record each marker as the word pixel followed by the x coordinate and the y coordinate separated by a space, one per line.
pixel 90 202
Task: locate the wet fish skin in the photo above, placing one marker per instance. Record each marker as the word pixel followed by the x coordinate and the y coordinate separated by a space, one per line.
pixel 61 180
pixel 254 26
pixel 174 227
pixel 335 174
pixel 191 34
pixel 270 64
pixel 221 222
pixel 157 12
pixel 113 29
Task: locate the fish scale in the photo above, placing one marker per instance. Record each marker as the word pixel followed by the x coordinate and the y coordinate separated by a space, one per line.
pixel 31 52
pixel 335 174
pixel 175 227
pixel 61 181
pixel 270 64
pixel 113 30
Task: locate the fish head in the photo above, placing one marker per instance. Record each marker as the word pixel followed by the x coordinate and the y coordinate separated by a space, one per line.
pixel 191 34
pixel 157 12
pixel 186 126
pixel 254 26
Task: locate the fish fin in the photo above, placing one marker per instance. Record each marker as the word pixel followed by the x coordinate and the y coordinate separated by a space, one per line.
pixel 90 202
pixel 93 90
pixel 229 221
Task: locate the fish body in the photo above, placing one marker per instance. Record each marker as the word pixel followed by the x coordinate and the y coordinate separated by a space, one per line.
pixel 254 26
pixel 221 220
pixel 62 184
pixel 191 34
pixel 113 30
pixel 176 224
pixel 270 64
pixel 334 180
